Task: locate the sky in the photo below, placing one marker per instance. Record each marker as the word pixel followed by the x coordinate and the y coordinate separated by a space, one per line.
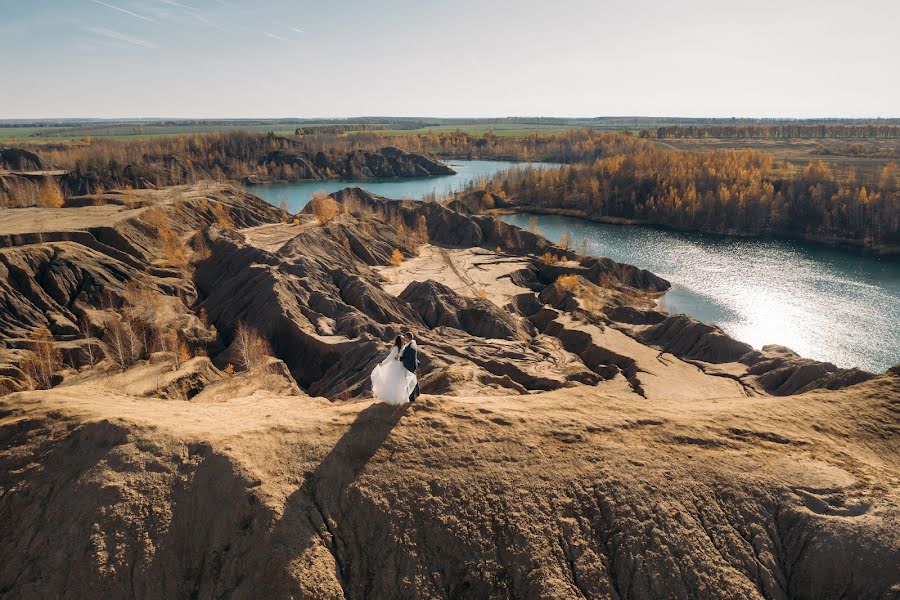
pixel 465 58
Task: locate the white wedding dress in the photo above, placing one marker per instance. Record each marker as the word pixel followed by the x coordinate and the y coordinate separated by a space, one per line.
pixel 391 382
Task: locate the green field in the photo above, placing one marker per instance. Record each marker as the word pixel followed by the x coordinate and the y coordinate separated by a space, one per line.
pixel 50 131
pixel 130 132
pixel 125 132
pixel 42 131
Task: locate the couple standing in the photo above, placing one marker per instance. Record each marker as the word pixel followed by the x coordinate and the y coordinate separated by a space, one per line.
pixel 394 379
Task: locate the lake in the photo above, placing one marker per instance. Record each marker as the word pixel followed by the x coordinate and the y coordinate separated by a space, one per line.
pixel 298 194
pixel 834 304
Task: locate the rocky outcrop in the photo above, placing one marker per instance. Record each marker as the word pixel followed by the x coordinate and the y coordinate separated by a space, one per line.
pixel 70 270
pixel 555 463
pixel 156 171
pixel 358 164
pixel 776 370
pixel 599 269
pixel 19 159
pixel 568 494
pixel 439 306
pixel 328 317
pixel 781 372
pixel 687 337
pixel 477 201
pixel 317 299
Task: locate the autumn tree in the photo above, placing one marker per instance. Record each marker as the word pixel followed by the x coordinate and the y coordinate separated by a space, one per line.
pixel 121 344
pixel 251 349
pixel 569 283
pixel 323 207
pixel 43 360
pixel 725 191
pixel 396 257
pixel 90 350
pixel 49 194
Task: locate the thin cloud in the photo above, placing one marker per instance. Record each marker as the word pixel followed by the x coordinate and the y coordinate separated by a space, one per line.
pixel 122 10
pixel 296 30
pixel 274 36
pixel 206 21
pixel 178 4
pixel 238 8
pixel 193 13
pixel 118 36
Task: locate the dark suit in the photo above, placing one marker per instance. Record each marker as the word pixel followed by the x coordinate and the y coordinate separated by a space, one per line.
pixel 410 359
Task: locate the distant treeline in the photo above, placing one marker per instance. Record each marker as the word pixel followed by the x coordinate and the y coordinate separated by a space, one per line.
pixel 731 192
pixel 101 164
pixel 568 146
pixel 609 175
pixel 334 129
pixel 104 164
pixel 779 131
pixel 632 122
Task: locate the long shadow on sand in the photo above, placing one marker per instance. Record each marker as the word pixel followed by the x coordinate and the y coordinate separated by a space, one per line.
pixel 309 517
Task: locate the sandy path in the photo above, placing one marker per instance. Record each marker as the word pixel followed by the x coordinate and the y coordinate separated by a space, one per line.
pixel 467 272
pixel 272 237
pixel 662 375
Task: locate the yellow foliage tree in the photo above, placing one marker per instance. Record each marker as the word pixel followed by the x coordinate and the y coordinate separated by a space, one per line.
pixel 252 349
pixel 43 360
pixel 569 283
pixel 50 195
pixel 396 257
pixel 323 207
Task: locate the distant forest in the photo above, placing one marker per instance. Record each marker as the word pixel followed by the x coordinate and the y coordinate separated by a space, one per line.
pixel 103 164
pixel 776 131
pixel 724 191
pixel 606 175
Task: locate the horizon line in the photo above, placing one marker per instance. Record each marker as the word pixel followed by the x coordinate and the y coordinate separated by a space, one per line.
pixel 471 118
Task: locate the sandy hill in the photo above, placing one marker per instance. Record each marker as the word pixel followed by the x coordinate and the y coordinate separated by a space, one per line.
pixel 572 441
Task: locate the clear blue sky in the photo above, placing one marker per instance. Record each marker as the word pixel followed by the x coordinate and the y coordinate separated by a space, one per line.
pixel 311 58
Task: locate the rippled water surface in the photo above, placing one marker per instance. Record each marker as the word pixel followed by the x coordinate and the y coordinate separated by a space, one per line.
pixel 832 304
pixel 298 194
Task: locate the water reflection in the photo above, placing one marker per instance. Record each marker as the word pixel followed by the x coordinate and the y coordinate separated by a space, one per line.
pixel 832 304
pixel 296 195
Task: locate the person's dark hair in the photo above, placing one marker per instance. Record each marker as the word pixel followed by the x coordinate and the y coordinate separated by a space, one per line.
pixel 398 341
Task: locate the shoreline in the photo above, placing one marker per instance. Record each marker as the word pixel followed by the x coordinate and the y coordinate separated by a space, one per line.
pixel 890 252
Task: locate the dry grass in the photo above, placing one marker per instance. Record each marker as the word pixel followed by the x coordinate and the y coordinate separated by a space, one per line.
pixel 396 258
pixel 550 258
pixel 324 207
pixel 222 216
pixel 49 194
pixel 569 283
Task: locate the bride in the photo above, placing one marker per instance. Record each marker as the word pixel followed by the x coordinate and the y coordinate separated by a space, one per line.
pixel 391 381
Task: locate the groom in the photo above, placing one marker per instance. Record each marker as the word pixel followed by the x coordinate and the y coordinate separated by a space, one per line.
pixel 410 359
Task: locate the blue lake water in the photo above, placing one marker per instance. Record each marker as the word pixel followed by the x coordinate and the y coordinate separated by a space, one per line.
pixel 296 195
pixel 833 304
